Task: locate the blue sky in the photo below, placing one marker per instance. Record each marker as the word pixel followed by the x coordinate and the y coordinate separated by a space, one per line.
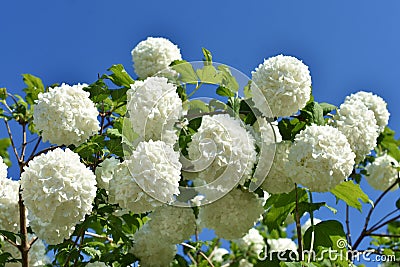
pixel 348 45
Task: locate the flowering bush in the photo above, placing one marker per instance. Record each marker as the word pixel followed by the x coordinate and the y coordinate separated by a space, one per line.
pixel 138 170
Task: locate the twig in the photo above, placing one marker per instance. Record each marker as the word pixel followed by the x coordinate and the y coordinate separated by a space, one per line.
pixel 100 236
pixel 23 142
pixel 42 151
pixel 312 226
pixel 348 234
pixel 35 148
pixel 24 247
pixel 386 216
pixel 11 140
pixel 385 235
pixel 383 224
pixel 10 241
pixel 200 252
pixel 33 240
pixel 298 226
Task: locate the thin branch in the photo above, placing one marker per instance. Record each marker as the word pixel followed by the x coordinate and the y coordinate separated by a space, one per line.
pixel 35 148
pixel 109 239
pixel 298 226
pixel 383 224
pixel 10 241
pixel 24 247
pixel 200 252
pixel 385 235
pixel 33 240
pixel 11 140
pixel 348 234
pixel 386 216
pixel 42 151
pixel 312 226
pixel 23 142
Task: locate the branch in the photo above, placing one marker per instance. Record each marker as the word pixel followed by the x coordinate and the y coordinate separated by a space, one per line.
pixel 10 241
pixel 298 226
pixel 41 152
pixel 23 142
pixel 200 252
pixel 386 216
pixel 109 239
pixel 35 148
pixel 385 235
pixel 11 140
pixel 383 224
pixel 348 225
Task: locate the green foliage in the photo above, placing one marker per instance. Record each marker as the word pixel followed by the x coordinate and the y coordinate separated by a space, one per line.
pixel 312 113
pixel 351 193
pixel 34 88
pixel 119 76
pixel 288 128
pixel 5 143
pixel 387 142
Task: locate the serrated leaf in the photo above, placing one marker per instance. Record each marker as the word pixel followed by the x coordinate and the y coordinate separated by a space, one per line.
pixel 327 108
pixel 280 205
pixel 228 80
pixel 207 56
pixel 35 87
pixel 186 71
pixel 313 114
pixel 309 207
pixel 208 74
pixel 351 193
pixel 98 91
pixel 119 77
pixel 223 91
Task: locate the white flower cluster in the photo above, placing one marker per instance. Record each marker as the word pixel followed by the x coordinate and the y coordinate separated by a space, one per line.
pixel 218 254
pixel 252 243
pixel 65 115
pixel 151 250
pixel 232 215
pixel 153 55
pixel 283 83
pixel 153 109
pixel 58 191
pixel 173 224
pixel 124 190
pixel 9 209
pixel 281 244
pixel 307 224
pixel 3 169
pixel 105 172
pixel 359 126
pixel 221 149
pixel 149 176
pixel 383 172
pixel 245 263
pixel 374 103
pixel 37 254
pixel 320 158
pixel 278 179
pixel 96 264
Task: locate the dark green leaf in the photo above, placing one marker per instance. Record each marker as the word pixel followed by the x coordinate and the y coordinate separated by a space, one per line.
pixel 9 235
pixel 98 91
pixel 281 205
pixel 35 87
pixel 119 77
pixel 115 147
pixel 3 93
pixel 398 203
pixel 92 252
pixel 288 128
pixel 387 142
pixel 186 71
pixel 350 193
pixel 309 207
pixel 5 143
pixel 223 91
pixel 313 114
pixel 207 56
pixel 329 234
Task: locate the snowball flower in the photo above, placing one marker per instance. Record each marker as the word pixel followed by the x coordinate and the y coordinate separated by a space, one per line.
pixel 96 264
pixel 307 224
pixel 153 109
pixel 173 224
pixel 149 176
pixel 153 55
pixel 245 263
pixel 281 244
pixel 221 149
pixel 37 253
pixel 382 173
pixel 58 191
pixel 151 250
pixel 283 83
pixel 233 215
pixel 320 158
pixel 252 242
pixel 218 254
pixel 278 180
pixel 65 115
pixel 9 209
pixel 374 103
pixel 3 169
pixel 359 125
pixel 105 171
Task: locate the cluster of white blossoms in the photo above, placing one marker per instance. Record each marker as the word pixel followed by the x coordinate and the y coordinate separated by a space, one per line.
pixel 151 250
pixel 218 254
pixel 58 191
pixel 383 172
pixel 245 263
pixel 105 172
pixel 281 244
pixel 37 253
pixel 320 158
pixel 281 85
pixel 374 103
pixel 9 196
pixel 252 243
pixel 153 109
pixel 221 149
pixel 278 180
pixel 232 215
pixel 148 177
pixel 153 55
pixel 359 125
pixel 96 264
pixel 65 115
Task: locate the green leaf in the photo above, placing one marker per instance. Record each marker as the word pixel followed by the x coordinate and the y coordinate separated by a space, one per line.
pixel 223 91
pixel 3 93
pixel 288 128
pixel 208 74
pixel 9 235
pixel 35 87
pixel 98 91
pixel 329 234
pixel 228 80
pixel 115 147
pixel 309 207
pixel 92 252
pixel 313 114
pixel 326 107
pixel 5 143
pixel 207 56
pixel 387 142
pixel 398 203
pixel 280 205
pixel 350 193
pixel 119 77
pixel 186 71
